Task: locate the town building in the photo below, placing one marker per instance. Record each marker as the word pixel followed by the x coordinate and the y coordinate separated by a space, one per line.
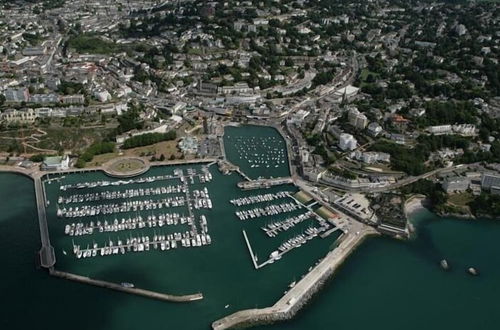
pixel 374 129
pixel 491 183
pixel 347 142
pixel 371 157
pixel 55 163
pixel 455 184
pixel 73 99
pixel 17 95
pixel 357 119
pixel 23 116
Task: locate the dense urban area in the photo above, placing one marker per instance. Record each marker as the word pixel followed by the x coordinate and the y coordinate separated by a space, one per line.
pixel 378 100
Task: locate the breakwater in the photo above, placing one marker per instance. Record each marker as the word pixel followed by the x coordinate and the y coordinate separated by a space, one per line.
pixel 299 295
pixel 122 288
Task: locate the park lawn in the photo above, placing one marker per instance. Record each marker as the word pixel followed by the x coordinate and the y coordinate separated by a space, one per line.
pixel 165 148
pixel 98 160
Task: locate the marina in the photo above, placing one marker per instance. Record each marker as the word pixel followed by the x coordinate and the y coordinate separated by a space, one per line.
pixel 141 214
pixel 259 151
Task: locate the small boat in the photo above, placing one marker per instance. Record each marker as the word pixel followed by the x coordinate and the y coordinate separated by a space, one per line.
pixel 127 285
pixel 473 271
pixel 444 264
pixel 226 306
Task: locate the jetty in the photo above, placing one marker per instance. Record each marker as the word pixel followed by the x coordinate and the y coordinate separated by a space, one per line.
pixel 296 297
pixel 126 289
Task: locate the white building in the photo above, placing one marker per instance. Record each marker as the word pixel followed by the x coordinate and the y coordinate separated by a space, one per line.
pixel 298 117
pixel 374 129
pixel 24 116
pixel 371 157
pixel 465 129
pixel 56 163
pixel 441 129
pixel 102 95
pixel 347 142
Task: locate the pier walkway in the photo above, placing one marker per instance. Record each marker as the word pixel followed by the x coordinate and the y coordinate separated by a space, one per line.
pixel 291 302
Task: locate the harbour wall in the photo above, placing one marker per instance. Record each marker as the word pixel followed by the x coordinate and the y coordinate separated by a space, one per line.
pixel 118 287
pixel 301 293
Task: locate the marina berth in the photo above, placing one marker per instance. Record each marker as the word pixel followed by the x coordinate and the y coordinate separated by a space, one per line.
pixel 203 177
pixel 129 193
pixel 272 229
pixel 142 243
pixel 248 200
pixel 272 209
pixel 126 206
pixel 130 223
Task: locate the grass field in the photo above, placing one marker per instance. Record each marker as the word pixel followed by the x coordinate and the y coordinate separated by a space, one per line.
pixel 461 199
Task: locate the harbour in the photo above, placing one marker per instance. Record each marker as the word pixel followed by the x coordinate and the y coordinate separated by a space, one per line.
pixel 230 275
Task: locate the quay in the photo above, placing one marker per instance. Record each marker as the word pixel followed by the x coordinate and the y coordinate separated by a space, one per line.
pixel 296 297
pixel 119 287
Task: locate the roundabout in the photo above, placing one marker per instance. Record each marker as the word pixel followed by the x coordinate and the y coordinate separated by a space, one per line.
pixel 126 167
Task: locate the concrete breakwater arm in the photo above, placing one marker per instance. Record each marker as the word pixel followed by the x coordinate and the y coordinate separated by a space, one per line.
pixel 118 287
pixel 291 302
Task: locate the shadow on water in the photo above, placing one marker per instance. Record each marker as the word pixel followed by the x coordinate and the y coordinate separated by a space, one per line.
pixel 423 244
pixel 30 297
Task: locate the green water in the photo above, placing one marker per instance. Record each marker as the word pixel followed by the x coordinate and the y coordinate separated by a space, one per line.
pixel 386 284
pixel 259 151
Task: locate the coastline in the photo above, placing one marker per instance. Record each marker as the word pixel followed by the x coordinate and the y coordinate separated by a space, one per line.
pixel 414 204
